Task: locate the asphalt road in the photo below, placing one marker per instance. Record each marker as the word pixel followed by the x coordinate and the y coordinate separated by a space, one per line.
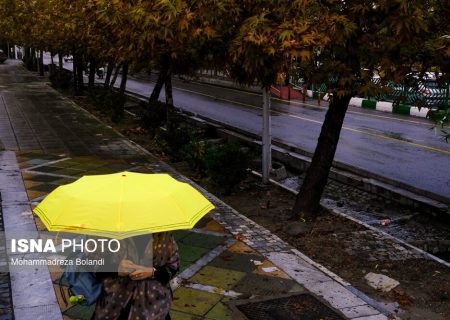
pixel 402 148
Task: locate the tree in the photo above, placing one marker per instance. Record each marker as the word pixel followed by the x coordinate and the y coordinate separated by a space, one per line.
pixel 271 36
pixel 389 37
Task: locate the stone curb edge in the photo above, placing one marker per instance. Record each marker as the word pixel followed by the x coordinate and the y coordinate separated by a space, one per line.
pixel 383 106
pixel 390 107
pixel 27 298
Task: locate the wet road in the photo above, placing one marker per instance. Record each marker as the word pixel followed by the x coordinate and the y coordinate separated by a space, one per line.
pixel 401 148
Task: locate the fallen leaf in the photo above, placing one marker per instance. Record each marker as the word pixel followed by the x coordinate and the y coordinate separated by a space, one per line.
pixel 239 237
pixel 218 290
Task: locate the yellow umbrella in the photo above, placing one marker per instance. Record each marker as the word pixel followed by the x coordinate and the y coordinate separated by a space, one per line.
pixel 122 205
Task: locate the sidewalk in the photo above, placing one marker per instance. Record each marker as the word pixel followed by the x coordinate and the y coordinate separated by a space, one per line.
pixel 48 141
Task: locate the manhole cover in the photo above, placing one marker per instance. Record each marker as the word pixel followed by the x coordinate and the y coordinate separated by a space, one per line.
pixel 293 307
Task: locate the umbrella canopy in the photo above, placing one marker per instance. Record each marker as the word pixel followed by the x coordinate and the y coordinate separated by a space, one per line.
pixel 122 205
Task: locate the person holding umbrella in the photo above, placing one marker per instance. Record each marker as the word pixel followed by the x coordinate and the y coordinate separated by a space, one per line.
pixel 140 210
pixel 140 289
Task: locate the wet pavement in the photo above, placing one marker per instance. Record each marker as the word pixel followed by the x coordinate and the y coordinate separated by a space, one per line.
pixel 49 141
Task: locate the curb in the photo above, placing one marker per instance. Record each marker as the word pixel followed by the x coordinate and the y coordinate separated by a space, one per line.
pixel 383 106
pixel 390 107
pixel 27 298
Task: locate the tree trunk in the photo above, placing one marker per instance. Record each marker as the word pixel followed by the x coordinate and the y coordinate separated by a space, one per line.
pixel 60 62
pixel 116 73
pixel 158 86
pixel 33 60
pixel 169 95
pixel 74 72
pixel 92 68
pixel 163 73
pixel 266 137
pixel 307 203
pixel 168 89
pixel 41 63
pixel 123 81
pixel 109 71
pixel 78 73
pixel 26 53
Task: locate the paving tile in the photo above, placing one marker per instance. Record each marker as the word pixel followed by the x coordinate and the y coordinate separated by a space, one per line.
pixel 14 197
pixel 40 312
pixel 119 167
pixel 297 268
pixel 177 315
pixel 101 170
pixel 62 181
pixel 184 265
pixel 214 226
pixel 30 183
pixel 374 317
pixel 217 277
pixel 47 169
pixel 194 301
pixel 35 194
pixel 180 234
pixel 143 170
pixel 203 222
pixel 220 311
pixel 25 165
pixel 38 280
pixel 236 261
pixel 39 156
pixel 267 264
pixel 359 311
pixel 80 160
pixel 240 247
pixel 65 164
pixel 26 175
pixel 86 166
pixel 45 187
pixel 69 172
pixel 338 296
pixel 191 253
pixel 43 178
pixel 35 162
pixel 266 286
pixel 10 177
pixel 202 240
pixel 18 218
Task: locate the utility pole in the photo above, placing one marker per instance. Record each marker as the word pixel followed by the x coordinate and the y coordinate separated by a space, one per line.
pixel 266 136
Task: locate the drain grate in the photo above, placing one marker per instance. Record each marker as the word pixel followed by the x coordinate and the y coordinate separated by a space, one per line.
pixel 293 307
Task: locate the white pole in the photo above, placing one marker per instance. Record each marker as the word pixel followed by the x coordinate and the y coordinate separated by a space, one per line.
pixel 266 136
